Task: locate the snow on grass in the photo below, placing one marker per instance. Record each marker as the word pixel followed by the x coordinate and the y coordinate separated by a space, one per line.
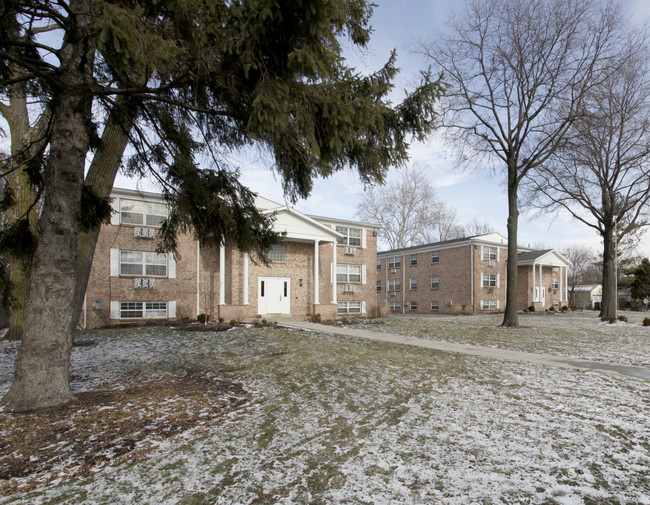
pixel 574 334
pixel 344 420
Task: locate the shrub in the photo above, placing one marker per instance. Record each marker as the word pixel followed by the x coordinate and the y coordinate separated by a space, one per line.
pixel 203 318
pixel 552 309
pixel 565 308
pixel 610 320
pixel 315 318
pixel 622 318
pixel 233 322
pixel 221 320
pixel 531 308
pixel 646 321
pixel 383 309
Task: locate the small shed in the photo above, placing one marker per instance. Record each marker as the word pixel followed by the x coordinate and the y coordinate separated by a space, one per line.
pixel 587 296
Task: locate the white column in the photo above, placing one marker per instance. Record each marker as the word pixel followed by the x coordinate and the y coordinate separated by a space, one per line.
pixel 560 286
pixel 245 300
pixel 222 274
pixel 534 287
pixel 334 300
pixel 316 273
pixel 566 284
pixel 198 279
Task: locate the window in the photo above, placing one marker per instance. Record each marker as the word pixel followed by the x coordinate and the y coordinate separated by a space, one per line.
pixel 378 286
pixel 277 253
pixel 414 259
pixel 489 280
pixel 378 263
pixel 394 284
pixel 395 306
pixel 142 213
pixel 414 305
pixel 556 304
pixel 147 310
pixel 435 281
pixel 349 307
pixel 489 252
pixel 435 306
pixel 352 236
pixel 414 283
pixel 489 305
pixel 143 263
pixel 348 273
pixel 394 262
pixel 435 258
pixel 556 283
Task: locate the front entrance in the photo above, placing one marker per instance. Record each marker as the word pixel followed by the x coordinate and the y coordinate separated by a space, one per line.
pixel 274 295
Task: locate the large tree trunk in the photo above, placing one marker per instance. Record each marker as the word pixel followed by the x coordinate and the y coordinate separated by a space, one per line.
pixel 42 366
pixel 610 295
pixel 510 318
pixel 101 177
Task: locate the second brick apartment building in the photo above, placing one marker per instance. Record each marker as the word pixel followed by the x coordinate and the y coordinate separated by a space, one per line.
pixel 468 276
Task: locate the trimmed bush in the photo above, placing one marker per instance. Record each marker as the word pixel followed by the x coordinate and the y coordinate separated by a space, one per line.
pixel 531 308
pixel 646 321
pixel 315 318
pixel 203 318
pixel 622 318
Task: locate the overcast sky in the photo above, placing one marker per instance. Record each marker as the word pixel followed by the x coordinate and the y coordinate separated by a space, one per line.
pixel 474 194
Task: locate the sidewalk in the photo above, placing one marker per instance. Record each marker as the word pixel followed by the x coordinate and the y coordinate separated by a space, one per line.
pixel 475 350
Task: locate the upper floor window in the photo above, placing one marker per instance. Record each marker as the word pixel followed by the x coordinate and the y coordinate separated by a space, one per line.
pixel 435 282
pixel 394 284
pixel 556 283
pixel 378 263
pixel 142 213
pixel 277 253
pixel 414 283
pixel 489 252
pixel 435 258
pixel 143 263
pixel 394 262
pixel 414 259
pixel 489 280
pixel 351 236
pixel 348 273
pixel 378 286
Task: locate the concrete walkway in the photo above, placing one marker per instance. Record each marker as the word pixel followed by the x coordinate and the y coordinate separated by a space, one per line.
pixel 476 350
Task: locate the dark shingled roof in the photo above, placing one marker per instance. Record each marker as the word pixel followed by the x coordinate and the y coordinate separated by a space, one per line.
pixel 532 255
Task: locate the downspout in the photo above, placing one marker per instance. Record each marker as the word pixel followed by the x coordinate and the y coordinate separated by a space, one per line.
pixel 403 284
pixel 85 310
pixel 471 277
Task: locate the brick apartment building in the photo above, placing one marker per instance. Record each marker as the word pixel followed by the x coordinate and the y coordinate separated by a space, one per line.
pixel 468 276
pixel 323 266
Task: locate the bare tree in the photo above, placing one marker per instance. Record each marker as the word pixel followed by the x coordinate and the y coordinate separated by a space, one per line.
pixel 601 175
pixel 581 260
pixel 478 227
pixel 517 71
pixel 409 211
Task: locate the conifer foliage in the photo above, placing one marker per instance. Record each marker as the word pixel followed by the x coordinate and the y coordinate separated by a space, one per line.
pixel 184 81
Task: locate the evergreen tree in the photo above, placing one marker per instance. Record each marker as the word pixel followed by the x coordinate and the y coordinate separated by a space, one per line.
pixel 181 79
pixel 640 288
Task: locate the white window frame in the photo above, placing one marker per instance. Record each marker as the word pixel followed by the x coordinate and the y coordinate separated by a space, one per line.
pixel 556 283
pixel 435 282
pixel 395 305
pixel 489 280
pixel 435 306
pixel 378 285
pixel 394 261
pixel 489 304
pixel 556 304
pixel 378 263
pixel 413 283
pixel 414 259
pixel 350 307
pixel 147 259
pixel 144 310
pixel 490 253
pixel 348 238
pixel 148 210
pixel 413 306
pixel 394 285
pixel 435 257
pixel 347 273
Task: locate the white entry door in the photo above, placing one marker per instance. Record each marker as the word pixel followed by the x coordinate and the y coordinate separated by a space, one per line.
pixel 274 295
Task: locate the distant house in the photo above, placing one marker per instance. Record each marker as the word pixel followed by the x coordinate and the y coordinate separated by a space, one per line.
pixel 324 266
pixel 587 296
pixel 468 276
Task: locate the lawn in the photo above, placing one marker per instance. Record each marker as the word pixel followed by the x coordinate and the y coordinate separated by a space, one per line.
pixel 271 415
